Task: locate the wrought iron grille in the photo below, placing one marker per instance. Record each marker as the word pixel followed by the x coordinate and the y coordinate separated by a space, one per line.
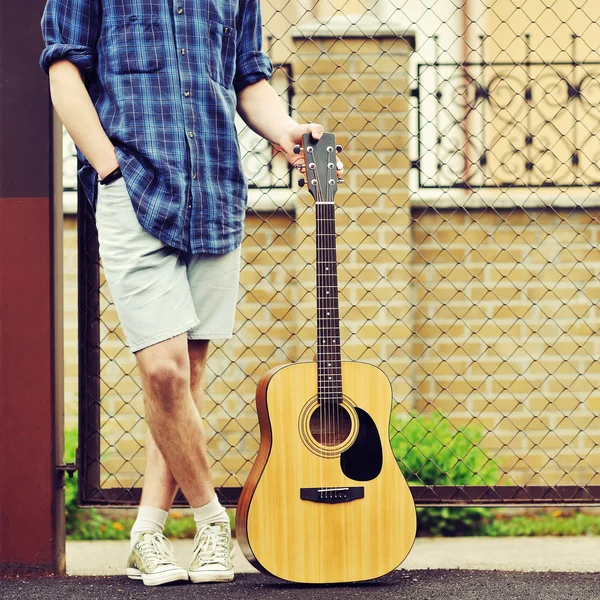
pixel 501 124
pixel 468 234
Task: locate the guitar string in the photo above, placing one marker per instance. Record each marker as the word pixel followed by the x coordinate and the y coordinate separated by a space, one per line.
pixel 325 308
pixel 324 406
pixel 333 275
pixel 327 224
pixel 320 408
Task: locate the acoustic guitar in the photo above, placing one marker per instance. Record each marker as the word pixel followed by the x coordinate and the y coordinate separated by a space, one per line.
pixel 325 501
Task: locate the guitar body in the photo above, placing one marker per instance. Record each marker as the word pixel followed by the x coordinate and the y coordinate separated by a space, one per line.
pixel 357 520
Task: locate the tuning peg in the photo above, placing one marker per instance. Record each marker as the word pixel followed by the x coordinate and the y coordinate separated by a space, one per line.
pixel 338 148
pixel 340 181
pixel 301 182
pixel 296 149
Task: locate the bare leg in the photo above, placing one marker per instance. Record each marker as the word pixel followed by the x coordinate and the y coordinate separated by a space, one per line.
pixel 160 486
pixel 198 352
pixel 172 380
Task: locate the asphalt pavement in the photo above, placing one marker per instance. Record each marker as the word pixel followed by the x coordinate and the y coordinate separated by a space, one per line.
pixel 400 585
pixel 436 569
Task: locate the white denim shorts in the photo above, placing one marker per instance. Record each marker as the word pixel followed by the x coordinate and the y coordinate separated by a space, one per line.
pixel 160 292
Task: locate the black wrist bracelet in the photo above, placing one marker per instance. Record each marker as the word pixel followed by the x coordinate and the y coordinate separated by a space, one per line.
pixel 112 176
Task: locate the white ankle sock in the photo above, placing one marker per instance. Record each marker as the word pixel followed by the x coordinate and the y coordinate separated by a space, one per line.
pixel 148 519
pixel 209 513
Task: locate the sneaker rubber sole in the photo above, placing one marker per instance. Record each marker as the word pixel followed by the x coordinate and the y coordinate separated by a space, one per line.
pixel 159 578
pixel 210 576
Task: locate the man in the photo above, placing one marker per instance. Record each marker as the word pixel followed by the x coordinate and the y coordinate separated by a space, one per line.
pixel 148 91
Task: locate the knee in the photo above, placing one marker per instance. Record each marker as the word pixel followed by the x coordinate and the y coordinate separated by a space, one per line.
pixel 167 383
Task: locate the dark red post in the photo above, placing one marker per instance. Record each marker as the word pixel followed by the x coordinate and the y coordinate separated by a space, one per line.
pixel 31 501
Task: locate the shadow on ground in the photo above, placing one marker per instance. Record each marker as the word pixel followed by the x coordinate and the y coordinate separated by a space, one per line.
pixel 400 585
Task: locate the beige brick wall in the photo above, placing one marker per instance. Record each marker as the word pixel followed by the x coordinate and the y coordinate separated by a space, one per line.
pixel 70 320
pixel 506 334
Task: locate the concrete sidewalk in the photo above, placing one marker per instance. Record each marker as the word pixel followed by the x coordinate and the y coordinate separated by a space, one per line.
pixel 541 554
pixel 472 569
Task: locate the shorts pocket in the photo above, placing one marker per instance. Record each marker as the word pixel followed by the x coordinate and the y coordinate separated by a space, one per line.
pixel 221 63
pixel 135 45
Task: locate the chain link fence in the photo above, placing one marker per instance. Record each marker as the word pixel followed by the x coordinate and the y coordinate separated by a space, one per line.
pixel 467 246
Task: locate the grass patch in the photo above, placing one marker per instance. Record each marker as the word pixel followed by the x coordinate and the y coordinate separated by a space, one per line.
pixel 555 522
pixel 93 526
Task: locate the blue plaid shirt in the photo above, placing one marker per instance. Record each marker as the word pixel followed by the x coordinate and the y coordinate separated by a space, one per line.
pixel 163 76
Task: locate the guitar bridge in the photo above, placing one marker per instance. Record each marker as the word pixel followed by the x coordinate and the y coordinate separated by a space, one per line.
pixel 332 495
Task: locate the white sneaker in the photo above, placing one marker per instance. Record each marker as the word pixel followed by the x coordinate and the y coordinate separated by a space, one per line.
pixel 212 553
pixel 151 560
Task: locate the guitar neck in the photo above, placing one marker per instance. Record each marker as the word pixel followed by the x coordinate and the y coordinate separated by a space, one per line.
pixel 328 318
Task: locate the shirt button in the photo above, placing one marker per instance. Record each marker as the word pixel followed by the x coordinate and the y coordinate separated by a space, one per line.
pixel 179 10
pixel 194 175
pixel 186 93
pixel 191 134
pixel 183 51
pixel 226 30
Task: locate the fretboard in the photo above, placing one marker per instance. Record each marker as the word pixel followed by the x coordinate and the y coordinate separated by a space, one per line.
pixel 329 366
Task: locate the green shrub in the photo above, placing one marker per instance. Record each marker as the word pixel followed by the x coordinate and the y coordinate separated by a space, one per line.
pixel 543 523
pixel 432 451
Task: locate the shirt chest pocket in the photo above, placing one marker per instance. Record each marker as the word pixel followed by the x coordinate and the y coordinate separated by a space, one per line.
pixel 221 53
pixel 135 45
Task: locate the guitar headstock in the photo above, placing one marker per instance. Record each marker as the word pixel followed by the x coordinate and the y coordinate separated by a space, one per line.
pixel 321 160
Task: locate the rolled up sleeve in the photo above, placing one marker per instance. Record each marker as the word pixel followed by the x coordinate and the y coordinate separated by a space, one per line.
pixel 70 29
pixel 252 64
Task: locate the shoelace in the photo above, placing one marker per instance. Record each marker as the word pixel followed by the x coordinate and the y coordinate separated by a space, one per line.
pixel 212 544
pixel 156 550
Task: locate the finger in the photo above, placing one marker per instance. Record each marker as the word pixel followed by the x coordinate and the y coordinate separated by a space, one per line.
pixel 316 130
pixel 297 161
pixel 301 167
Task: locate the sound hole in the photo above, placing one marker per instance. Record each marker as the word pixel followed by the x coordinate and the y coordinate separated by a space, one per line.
pixel 330 424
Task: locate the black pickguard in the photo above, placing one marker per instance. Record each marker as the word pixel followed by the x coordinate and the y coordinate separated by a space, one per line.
pixel 364 459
